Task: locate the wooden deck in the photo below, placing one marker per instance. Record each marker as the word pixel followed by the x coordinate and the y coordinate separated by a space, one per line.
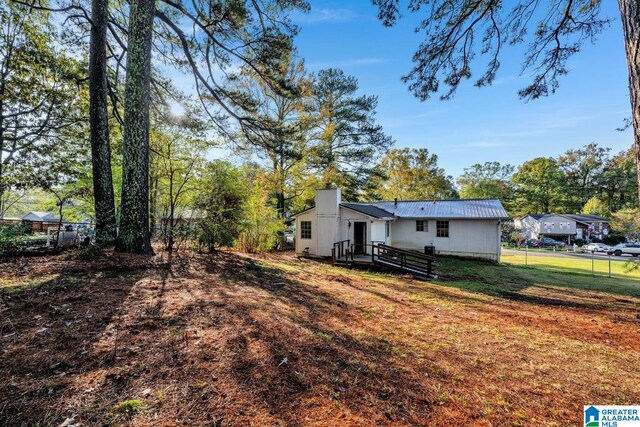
pixel 360 259
pixel 406 261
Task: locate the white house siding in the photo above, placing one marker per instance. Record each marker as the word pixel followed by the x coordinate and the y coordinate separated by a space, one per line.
pixel 557 225
pixel 469 238
pixel 327 220
pixel 348 215
pixel 378 232
pixel 375 227
pixel 529 226
pixel 302 244
pixel 470 233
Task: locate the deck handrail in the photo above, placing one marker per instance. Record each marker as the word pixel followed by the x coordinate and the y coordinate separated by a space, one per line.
pixel 415 254
pixel 382 254
pixel 405 260
pixel 338 250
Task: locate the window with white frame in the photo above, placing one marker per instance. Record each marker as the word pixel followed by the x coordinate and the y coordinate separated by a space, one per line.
pixel 442 229
pixel 422 225
pixel 305 229
pixel 386 229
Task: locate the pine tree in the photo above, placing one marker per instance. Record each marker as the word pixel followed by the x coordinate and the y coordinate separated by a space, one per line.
pixel 104 199
pixel 347 137
pixel 134 236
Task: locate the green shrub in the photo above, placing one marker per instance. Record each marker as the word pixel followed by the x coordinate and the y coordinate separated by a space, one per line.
pixel 129 408
pixel 260 228
pixel 13 237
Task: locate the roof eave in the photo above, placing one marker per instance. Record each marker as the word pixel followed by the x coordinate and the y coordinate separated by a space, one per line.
pixel 363 213
pixel 301 212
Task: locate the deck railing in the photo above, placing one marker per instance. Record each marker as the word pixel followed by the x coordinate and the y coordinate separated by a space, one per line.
pixel 405 260
pixel 340 251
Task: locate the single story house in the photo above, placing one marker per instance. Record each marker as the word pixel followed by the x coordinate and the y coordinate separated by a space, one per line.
pixel 467 228
pixel 567 227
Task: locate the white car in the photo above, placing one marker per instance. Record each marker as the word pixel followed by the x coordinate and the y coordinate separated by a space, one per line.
pixel 596 247
pixel 632 249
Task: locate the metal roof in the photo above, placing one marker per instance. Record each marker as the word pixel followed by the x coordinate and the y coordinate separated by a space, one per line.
pixel 455 208
pixel 583 218
pixel 368 209
pixel 41 214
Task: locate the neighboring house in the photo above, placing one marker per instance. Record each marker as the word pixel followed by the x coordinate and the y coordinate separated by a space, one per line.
pixel 36 216
pixel 467 228
pixel 567 227
pixel 39 221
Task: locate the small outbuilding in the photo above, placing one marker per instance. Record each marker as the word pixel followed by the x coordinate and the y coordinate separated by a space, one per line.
pixel 461 227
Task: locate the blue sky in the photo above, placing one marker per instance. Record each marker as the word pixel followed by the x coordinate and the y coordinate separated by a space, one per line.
pixel 477 125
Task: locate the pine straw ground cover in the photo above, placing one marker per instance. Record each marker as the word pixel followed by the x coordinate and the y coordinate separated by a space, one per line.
pixel 233 340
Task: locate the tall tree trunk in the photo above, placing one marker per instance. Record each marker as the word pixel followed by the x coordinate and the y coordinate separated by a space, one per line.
pixel 134 234
pixel 99 125
pixel 153 204
pixel 630 13
pixel 2 209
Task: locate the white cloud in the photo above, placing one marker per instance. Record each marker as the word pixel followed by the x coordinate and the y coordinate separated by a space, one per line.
pixel 324 15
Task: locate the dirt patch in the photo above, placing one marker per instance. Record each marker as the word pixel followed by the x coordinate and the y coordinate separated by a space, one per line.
pixel 231 340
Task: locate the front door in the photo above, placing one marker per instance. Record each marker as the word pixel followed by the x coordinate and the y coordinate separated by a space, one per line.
pixel 360 237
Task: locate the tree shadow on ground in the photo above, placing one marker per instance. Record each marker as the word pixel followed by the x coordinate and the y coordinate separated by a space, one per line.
pixel 55 326
pixel 221 341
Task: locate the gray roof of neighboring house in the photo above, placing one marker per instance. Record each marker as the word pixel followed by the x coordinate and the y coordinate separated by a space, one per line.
pixel 587 218
pixel 41 214
pixel 584 218
pixel 455 208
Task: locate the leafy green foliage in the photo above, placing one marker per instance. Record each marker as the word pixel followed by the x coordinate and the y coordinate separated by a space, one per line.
pixel 221 202
pixel 12 237
pixel 129 408
pixel 42 101
pixel 412 174
pixel 618 182
pixel 583 169
pixel 261 226
pixel 596 206
pixel 627 222
pixel 488 180
pixel 178 147
pixel 281 139
pixel 539 186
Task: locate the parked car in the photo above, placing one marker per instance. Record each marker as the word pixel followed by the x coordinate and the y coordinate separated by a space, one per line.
pixel 548 242
pixel 532 243
pixel 632 249
pixel 596 247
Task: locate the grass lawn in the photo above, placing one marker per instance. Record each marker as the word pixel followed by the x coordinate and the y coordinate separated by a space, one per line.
pixel 236 340
pixel 620 267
